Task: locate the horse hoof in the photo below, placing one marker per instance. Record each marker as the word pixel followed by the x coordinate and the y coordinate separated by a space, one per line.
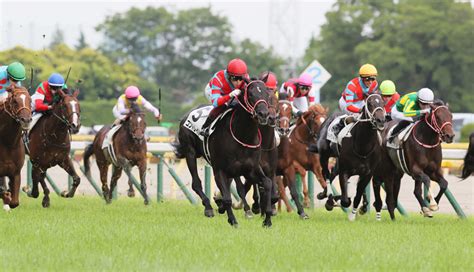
pixel 267 225
pixel 25 189
pixel 304 216
pixel 306 203
pixel 362 210
pixel 255 210
pixel 427 212
pixel 352 216
pixel 6 208
pixel 65 194
pixel 434 207
pixel 346 204
pixel 321 196
pixel 238 206
pixel 248 215
pixel 131 193
pixel 146 202
pixel 221 210
pixel 45 204
pixel 233 223
pixel 209 213
pixel 378 216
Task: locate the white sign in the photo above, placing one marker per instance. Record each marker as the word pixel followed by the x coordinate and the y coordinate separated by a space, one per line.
pixel 320 77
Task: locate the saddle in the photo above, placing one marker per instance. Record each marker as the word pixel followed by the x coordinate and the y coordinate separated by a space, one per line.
pixel 108 145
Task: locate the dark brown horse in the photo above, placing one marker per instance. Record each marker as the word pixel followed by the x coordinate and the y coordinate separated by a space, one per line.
pixel 15 117
pixel 358 154
pixel 130 148
pixel 235 149
pixel 423 156
pixel 468 167
pixel 293 155
pixel 50 143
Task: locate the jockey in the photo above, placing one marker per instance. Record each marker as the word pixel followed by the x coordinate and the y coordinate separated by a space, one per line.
pixel 46 93
pixel 410 107
pixel 352 100
pixel 353 97
pixel 223 86
pixel 124 102
pixel 389 95
pixel 298 91
pixel 270 80
pixel 13 73
pixel 413 105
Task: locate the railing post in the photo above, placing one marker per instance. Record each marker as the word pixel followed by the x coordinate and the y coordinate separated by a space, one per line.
pixel 55 187
pixel 367 194
pixel 311 188
pixel 69 178
pixel 299 187
pixel 159 185
pixel 29 179
pixel 454 203
pixel 207 180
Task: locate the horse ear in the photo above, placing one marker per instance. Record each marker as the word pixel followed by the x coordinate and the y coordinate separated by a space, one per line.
pixel 61 93
pixel 76 93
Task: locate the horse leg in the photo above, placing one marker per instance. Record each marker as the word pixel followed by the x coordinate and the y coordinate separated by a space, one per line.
pixel 46 201
pixel 376 185
pixel 116 173
pixel 131 190
pixel 223 182
pixel 266 198
pixel 142 171
pixel 36 175
pixel 419 180
pixel 5 194
pixel 103 168
pixel 14 184
pixel 290 177
pixel 396 180
pixel 255 196
pixel 306 200
pixel 343 177
pixel 275 196
pixel 281 191
pixel 197 186
pixel 76 180
pixel 317 170
pixel 361 184
pixel 241 189
pixel 442 182
pixel 323 163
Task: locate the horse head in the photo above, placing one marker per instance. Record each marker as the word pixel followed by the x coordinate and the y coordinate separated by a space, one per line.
pixel 18 105
pixel 374 111
pixel 284 111
pixel 440 120
pixel 313 118
pixel 68 110
pixel 135 123
pixel 255 100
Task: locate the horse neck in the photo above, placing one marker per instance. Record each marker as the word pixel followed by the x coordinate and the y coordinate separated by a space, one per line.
pixel 365 131
pixel 425 133
pixel 244 127
pixel 54 126
pixel 268 136
pixel 7 123
pixel 302 132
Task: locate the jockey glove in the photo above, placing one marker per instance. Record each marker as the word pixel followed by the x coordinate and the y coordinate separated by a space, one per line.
pixel 235 93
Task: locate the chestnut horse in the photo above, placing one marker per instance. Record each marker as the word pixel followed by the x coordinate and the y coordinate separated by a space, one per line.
pixel 293 156
pixel 130 148
pixel 423 156
pixel 15 117
pixel 50 143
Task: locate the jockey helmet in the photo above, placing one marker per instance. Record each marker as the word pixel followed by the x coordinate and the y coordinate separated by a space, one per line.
pixel 305 80
pixel 425 95
pixel 387 87
pixel 367 70
pixel 16 71
pixel 270 79
pixel 237 67
pixel 132 92
pixel 56 80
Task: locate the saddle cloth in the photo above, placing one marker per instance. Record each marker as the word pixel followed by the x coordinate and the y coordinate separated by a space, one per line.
pixel 197 118
pixel 400 138
pixel 34 120
pixel 345 132
pixel 395 150
pixel 107 144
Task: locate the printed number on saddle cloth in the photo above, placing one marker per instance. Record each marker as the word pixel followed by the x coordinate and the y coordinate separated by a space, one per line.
pixel 197 118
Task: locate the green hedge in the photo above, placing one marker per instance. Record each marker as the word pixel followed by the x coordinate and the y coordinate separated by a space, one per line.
pixel 466 131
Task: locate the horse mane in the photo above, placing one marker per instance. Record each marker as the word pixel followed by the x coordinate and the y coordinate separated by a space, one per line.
pixel 438 102
pixel 318 109
pixel 134 108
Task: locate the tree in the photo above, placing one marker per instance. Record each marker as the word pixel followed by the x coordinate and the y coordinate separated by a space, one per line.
pixel 414 43
pixel 57 38
pixel 81 43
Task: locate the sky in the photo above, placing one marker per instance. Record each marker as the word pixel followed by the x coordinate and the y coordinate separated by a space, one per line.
pixel 287 25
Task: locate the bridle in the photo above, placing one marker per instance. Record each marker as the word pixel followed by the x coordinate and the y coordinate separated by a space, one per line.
pixel 371 114
pixel 63 117
pixel 430 120
pixel 9 108
pixel 129 127
pixel 311 129
pixel 283 118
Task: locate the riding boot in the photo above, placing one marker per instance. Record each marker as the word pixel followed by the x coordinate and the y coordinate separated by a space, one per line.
pixel 398 128
pixel 117 122
pixel 210 118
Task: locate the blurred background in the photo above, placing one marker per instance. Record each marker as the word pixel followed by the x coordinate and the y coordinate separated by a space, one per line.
pixel 177 46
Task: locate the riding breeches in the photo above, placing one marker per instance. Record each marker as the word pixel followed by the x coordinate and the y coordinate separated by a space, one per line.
pixel 398 116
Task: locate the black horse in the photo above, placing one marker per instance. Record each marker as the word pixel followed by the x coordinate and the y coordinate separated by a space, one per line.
pixel 234 149
pixel 358 154
pixel 468 167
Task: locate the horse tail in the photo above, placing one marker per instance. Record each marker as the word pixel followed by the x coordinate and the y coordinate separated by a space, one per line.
pixel 179 149
pixel 468 167
pixel 88 151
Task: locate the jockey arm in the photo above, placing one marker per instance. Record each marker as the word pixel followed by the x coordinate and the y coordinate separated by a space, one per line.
pixel 147 105
pixel 122 108
pixel 409 109
pixel 38 99
pixel 350 96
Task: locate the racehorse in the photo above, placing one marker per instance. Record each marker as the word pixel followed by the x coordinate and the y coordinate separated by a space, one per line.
pixel 129 146
pixel 234 147
pixel 293 155
pixel 468 167
pixel 49 143
pixel 15 117
pixel 358 154
pixel 423 156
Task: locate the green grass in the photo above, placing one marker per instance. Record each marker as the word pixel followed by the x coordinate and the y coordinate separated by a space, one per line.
pixel 85 234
